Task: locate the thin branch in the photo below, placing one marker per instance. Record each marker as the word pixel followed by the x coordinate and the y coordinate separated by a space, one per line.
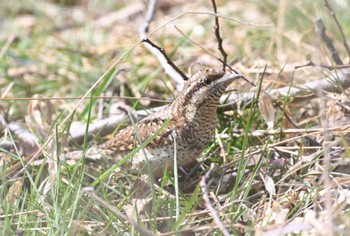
pixel 149 17
pixel 218 37
pixel 346 45
pixel 167 59
pixel 321 31
pixel 169 67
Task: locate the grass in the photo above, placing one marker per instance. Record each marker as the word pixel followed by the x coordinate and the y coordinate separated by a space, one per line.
pixel 259 184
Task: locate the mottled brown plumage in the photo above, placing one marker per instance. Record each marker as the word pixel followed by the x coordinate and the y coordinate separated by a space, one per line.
pixel 191 120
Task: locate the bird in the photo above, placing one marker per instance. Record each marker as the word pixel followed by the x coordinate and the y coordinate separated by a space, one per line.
pixel 182 129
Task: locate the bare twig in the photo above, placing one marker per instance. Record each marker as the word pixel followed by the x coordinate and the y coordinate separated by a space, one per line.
pixel 208 204
pixel 169 67
pixel 105 126
pixel 321 31
pixel 102 127
pixel 167 59
pixel 218 37
pixel 123 218
pixel 339 27
pixel 149 17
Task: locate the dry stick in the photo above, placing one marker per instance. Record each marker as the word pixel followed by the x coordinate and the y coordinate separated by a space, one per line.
pixel 90 192
pixel 105 126
pixel 321 32
pixel 339 26
pixel 168 65
pixel 208 204
pixel 102 126
pixel 149 17
pixel 218 37
pixel 167 59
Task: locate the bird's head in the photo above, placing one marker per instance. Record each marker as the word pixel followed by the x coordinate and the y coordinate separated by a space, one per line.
pixel 201 93
pixel 206 87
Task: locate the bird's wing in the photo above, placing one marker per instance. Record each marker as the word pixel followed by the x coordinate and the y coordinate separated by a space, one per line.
pixel 128 138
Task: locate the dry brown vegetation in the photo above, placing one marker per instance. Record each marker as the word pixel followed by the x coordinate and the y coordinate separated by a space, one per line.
pixel 281 149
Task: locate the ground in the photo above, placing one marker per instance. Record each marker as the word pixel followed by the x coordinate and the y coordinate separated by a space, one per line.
pixel 278 163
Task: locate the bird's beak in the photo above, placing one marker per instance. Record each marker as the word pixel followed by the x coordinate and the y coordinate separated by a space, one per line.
pixel 229 78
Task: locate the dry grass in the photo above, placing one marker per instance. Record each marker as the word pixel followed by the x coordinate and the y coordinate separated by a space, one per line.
pixel 282 183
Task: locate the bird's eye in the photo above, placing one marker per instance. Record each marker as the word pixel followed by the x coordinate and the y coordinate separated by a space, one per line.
pixel 205 80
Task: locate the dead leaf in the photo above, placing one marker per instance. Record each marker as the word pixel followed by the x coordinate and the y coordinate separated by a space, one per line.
pixel 269 184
